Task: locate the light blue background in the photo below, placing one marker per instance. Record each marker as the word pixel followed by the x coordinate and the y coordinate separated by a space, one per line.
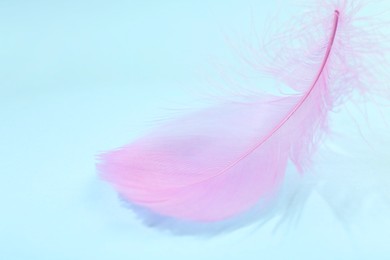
pixel 81 77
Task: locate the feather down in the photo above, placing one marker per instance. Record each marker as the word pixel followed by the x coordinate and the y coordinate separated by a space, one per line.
pixel 222 161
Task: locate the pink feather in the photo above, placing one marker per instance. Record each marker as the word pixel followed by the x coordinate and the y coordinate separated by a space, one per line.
pixel 223 161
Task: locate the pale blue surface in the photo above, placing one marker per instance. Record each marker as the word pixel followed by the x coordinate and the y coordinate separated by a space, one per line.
pixel 80 77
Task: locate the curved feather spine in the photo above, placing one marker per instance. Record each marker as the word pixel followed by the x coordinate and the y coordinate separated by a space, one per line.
pixel 190 170
pixel 294 109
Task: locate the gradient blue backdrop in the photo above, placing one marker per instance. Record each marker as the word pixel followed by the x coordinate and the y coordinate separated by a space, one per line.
pixel 81 77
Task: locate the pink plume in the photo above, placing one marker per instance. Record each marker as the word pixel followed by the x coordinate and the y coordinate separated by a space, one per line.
pixel 223 161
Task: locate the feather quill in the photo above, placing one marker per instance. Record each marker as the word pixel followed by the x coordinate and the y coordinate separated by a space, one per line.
pixel 223 161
